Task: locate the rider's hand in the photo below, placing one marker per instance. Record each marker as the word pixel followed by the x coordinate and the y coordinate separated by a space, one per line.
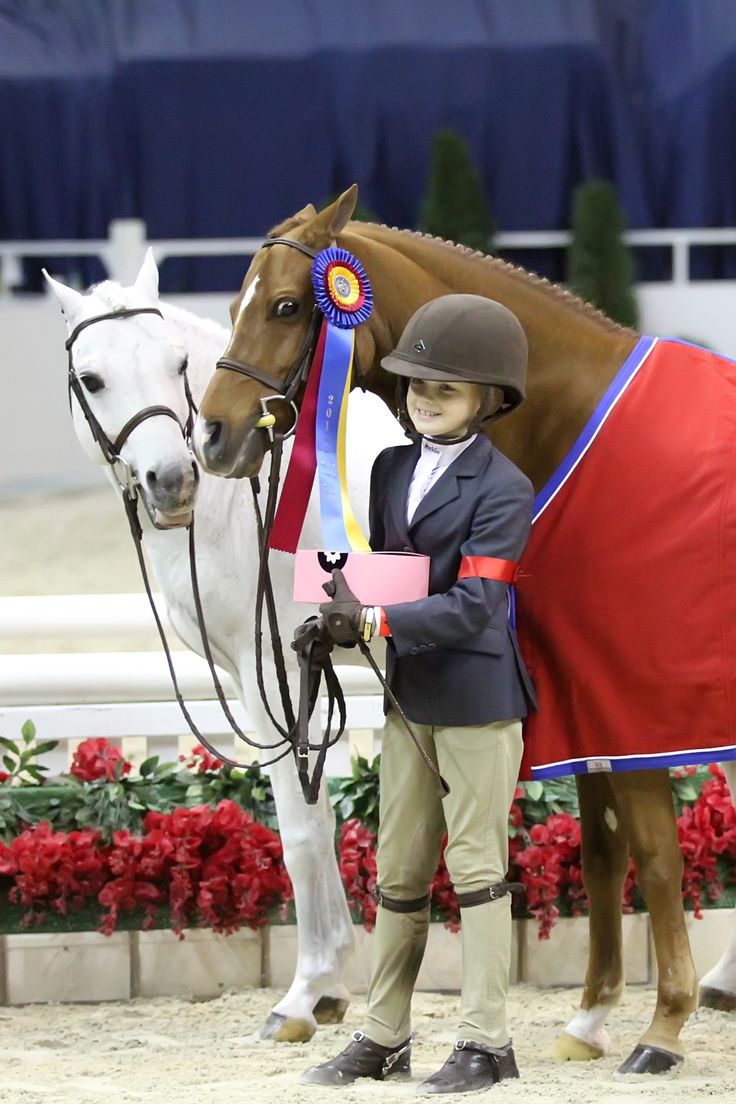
pixel 343 615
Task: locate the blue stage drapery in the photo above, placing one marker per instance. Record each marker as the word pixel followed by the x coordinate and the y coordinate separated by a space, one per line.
pixel 220 117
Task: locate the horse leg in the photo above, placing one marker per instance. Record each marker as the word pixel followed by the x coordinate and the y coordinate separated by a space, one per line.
pixel 645 803
pixel 605 856
pixel 324 927
pixel 718 987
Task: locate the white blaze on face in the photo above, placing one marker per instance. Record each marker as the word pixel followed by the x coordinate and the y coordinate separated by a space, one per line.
pixel 247 297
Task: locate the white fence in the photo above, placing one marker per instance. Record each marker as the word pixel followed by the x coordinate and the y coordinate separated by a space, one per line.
pixel 127 696
pixel 123 250
pixel 33 363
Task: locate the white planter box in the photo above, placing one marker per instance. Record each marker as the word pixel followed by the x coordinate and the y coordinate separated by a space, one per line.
pixel 76 966
pixel 709 937
pixel 440 970
pixel 201 965
pixel 563 958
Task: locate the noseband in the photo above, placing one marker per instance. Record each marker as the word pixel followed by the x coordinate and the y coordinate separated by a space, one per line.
pixel 111 449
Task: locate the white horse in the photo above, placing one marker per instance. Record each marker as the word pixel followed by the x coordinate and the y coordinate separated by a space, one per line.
pixel 126 365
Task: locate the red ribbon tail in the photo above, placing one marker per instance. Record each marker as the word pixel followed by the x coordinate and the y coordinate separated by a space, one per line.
pixel 292 508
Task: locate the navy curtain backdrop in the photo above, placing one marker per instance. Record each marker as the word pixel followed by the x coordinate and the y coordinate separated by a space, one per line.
pixel 220 117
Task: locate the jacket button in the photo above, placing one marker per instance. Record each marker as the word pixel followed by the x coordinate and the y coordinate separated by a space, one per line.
pixel 408 548
pixel 413 651
pixel 431 645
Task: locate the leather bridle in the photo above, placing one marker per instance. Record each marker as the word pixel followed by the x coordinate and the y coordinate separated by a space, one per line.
pixel 129 484
pixel 111 449
pixel 296 731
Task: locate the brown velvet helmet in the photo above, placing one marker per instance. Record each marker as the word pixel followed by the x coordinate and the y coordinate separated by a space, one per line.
pixel 469 339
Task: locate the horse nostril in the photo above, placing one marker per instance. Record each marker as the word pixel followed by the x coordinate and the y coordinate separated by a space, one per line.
pixel 151 478
pixel 214 433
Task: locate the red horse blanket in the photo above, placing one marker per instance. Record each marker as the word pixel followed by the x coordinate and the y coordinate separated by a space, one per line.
pixel 626 595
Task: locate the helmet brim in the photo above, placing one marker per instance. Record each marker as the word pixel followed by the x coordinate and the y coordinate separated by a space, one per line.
pixel 406 366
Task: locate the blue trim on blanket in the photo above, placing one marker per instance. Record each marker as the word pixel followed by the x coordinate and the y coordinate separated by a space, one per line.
pixel 610 396
pixel 610 764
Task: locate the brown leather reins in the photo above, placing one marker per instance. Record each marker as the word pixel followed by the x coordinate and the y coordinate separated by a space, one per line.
pixel 286 390
pixel 128 483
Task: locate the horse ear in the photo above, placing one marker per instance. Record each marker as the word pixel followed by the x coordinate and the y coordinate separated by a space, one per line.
pixel 338 214
pixel 69 299
pixel 306 213
pixel 146 282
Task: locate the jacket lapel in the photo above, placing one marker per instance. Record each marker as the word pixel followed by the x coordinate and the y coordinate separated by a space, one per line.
pixel 447 488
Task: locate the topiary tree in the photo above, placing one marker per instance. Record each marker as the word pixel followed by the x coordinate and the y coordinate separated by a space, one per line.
pixel 455 205
pixel 600 267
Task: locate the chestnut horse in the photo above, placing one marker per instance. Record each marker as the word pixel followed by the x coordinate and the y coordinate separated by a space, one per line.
pixel 574 353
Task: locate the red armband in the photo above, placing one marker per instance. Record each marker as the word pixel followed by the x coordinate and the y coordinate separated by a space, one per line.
pixel 383 629
pixel 487 567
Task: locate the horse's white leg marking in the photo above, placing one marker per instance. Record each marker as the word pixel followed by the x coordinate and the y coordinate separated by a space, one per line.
pixel 588 1025
pixel 722 976
pixel 610 818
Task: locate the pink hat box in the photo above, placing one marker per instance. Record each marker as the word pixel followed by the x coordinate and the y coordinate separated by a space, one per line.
pixel 376 578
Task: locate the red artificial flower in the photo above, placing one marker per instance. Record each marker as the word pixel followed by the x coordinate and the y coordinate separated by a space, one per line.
pixel 97 758
pixel 200 760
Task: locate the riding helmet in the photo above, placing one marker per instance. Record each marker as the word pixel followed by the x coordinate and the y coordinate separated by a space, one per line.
pixel 469 339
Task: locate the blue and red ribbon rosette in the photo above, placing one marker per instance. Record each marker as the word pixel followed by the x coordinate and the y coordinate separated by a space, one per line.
pixel 341 288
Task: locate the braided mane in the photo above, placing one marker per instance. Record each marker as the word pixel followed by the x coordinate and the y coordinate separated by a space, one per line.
pixel 516 272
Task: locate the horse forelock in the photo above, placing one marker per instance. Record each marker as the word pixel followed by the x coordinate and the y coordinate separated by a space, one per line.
pixel 555 292
pixel 113 296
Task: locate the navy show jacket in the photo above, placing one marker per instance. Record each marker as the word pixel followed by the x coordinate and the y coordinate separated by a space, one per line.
pixel 453 657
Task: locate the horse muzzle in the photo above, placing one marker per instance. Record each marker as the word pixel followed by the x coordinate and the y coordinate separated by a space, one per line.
pixel 222 452
pixel 169 493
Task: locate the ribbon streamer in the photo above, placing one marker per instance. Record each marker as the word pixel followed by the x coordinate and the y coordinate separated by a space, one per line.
pixel 291 510
pixel 340 530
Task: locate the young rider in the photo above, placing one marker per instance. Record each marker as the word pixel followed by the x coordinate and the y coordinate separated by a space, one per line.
pixel 455 669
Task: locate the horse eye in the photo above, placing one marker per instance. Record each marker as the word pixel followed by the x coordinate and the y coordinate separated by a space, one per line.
pixel 285 308
pixel 92 383
pixel 183 366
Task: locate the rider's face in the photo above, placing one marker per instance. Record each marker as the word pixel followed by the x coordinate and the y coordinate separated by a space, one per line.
pixel 442 409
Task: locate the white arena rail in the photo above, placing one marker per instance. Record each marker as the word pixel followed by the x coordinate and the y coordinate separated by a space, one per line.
pixel 127 696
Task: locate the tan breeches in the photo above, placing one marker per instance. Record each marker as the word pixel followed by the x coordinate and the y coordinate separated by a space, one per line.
pixel 480 763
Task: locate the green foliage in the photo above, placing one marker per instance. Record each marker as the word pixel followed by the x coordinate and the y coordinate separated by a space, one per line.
pixel 542 799
pixel 21 760
pixel 357 796
pixel 600 267
pixel 124 802
pixel 455 205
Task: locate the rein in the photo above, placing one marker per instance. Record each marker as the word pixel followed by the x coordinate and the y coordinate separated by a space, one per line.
pixel 286 390
pixel 128 486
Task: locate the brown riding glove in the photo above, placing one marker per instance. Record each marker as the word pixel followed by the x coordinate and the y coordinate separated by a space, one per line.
pixel 343 616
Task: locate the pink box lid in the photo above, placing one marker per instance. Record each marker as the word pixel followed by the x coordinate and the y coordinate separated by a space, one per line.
pixel 376 578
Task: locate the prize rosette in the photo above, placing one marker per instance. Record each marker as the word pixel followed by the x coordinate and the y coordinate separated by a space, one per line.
pixel 342 288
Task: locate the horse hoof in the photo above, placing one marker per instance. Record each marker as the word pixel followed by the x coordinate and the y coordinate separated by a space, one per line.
pixel 330 1010
pixel 566 1048
pixel 649 1059
pixel 286 1029
pixel 718 999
